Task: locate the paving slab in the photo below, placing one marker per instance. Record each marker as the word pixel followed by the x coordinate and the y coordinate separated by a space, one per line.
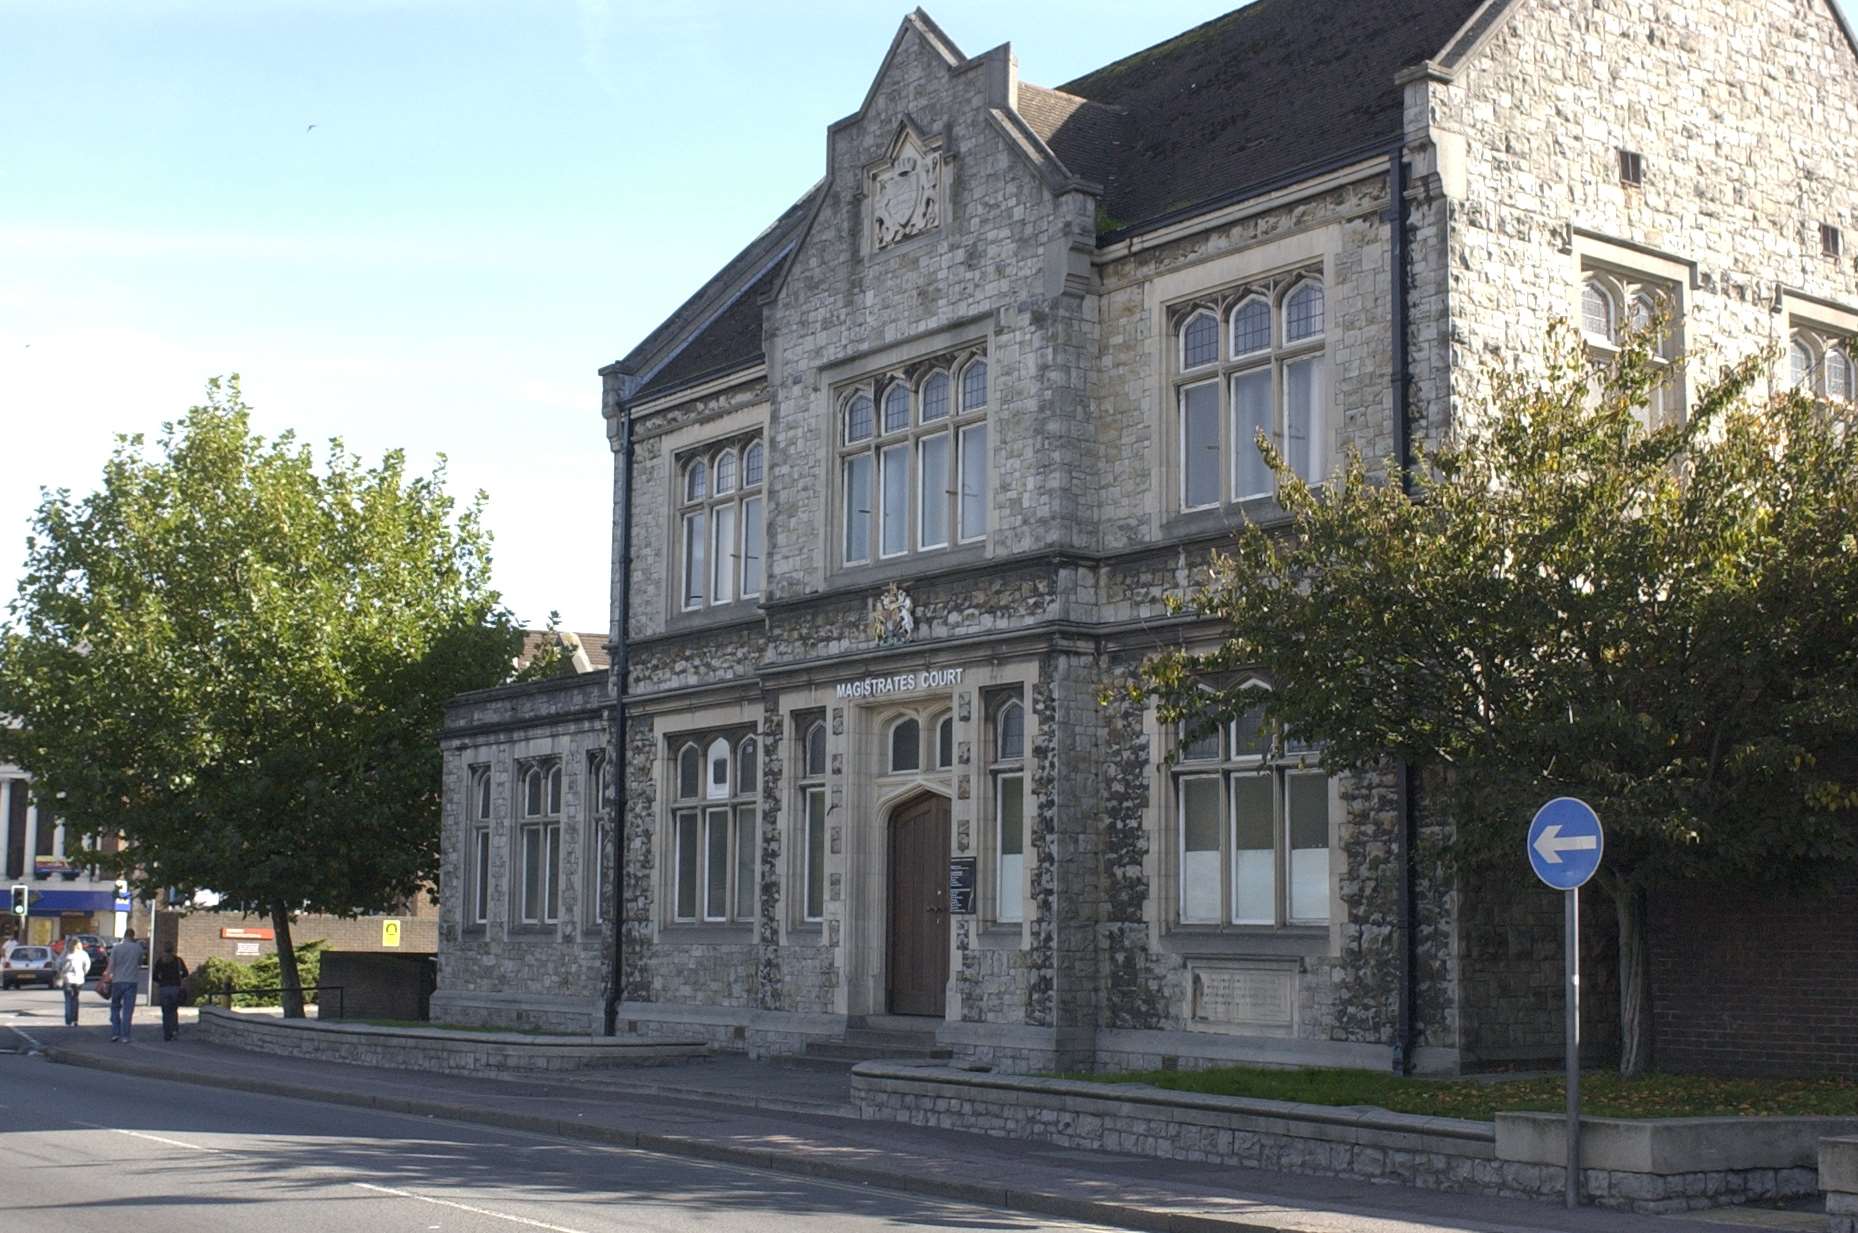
pixel 707 1109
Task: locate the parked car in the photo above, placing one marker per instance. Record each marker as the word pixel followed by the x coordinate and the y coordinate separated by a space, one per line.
pixel 29 965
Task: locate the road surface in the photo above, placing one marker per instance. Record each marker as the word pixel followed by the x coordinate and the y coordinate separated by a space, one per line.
pixel 84 1149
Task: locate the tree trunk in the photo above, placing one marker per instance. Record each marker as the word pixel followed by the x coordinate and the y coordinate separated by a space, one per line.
pixel 287 962
pixel 1635 982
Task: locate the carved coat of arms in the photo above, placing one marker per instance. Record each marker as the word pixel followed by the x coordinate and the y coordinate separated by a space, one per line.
pixel 893 616
pixel 906 195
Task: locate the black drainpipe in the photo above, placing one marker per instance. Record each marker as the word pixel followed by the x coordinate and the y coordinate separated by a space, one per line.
pixel 616 733
pixel 1407 993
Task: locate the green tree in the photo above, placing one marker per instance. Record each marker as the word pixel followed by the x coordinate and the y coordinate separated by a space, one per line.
pixel 236 660
pixel 1663 622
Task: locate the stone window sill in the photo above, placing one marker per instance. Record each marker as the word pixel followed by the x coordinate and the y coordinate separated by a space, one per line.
pixel 1000 935
pixel 910 566
pixel 712 934
pixel 1237 941
pixel 1228 517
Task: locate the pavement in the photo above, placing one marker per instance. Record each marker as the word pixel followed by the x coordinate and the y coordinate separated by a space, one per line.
pixel 793 1121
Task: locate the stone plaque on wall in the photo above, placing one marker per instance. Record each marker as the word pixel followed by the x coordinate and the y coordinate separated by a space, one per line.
pixel 1256 999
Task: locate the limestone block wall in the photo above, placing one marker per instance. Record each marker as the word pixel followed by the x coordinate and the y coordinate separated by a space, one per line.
pixel 1341 227
pixel 560 718
pixel 1741 110
pixel 980 275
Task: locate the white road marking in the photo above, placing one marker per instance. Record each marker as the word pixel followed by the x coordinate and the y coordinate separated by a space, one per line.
pixel 466 1207
pixel 139 1134
pixel 27 1037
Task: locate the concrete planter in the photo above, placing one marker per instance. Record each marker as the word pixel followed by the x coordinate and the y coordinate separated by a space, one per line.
pixel 1643 1166
pixel 1838 1177
pixel 435 1049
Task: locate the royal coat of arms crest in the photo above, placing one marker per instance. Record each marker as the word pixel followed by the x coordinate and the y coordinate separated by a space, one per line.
pixel 893 616
pixel 906 195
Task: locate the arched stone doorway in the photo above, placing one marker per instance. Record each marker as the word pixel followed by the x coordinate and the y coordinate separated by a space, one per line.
pixel 917 936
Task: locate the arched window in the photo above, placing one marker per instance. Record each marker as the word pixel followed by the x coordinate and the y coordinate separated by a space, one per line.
pixel 747 767
pixel 711 849
pixel 538 840
pixel 1199 340
pixel 1838 369
pixel 1010 732
pixel 1196 745
pixel 722 536
pixel 896 408
pixel 813 844
pixel 717 782
pixel 1251 327
pixel 1005 808
pixel 858 418
pixel 816 749
pixel 478 909
pixel 974 386
pixel 935 397
pixel 1598 314
pixel 945 743
pixel 913 468
pixel 906 746
pixel 1303 312
pixel 1271 383
pixel 1800 366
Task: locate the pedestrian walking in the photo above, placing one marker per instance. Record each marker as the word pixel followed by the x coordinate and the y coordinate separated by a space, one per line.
pixel 124 975
pixel 6 947
pixel 73 967
pixel 170 970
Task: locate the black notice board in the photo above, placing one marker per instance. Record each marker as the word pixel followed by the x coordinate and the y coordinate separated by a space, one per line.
pixel 961 885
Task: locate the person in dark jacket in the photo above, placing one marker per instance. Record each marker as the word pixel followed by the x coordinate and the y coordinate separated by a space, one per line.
pixel 170 971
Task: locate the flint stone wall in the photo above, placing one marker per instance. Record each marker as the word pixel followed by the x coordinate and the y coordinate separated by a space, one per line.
pixel 434 1049
pixel 1634 1166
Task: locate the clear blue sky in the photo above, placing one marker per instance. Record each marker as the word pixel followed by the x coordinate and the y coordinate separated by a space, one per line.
pixel 496 199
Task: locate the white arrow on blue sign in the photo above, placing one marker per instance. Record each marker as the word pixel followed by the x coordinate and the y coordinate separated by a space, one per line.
pixel 1565 843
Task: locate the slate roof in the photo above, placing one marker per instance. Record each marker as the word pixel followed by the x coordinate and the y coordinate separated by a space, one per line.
pixel 1263 94
pixel 1268 90
pixel 720 325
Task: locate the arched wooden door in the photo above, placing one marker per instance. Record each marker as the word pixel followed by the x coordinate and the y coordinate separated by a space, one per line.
pixel 918 968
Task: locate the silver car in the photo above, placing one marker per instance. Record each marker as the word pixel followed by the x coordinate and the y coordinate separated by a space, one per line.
pixel 29 965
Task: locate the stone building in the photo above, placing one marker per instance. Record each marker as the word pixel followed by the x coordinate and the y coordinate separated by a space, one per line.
pixel 900 491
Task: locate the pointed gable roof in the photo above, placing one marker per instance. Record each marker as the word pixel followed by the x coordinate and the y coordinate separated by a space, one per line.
pixel 718 329
pixel 1257 96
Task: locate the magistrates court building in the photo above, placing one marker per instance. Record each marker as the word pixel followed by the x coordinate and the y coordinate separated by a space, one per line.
pixel 900 491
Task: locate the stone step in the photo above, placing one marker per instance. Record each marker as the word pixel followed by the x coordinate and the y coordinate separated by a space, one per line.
pixel 864 1053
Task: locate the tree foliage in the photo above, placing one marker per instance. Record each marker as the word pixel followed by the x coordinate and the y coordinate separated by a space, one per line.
pixel 1662 621
pixel 236 659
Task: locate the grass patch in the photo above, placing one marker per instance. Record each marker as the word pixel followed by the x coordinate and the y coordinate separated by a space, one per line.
pixel 1603 1094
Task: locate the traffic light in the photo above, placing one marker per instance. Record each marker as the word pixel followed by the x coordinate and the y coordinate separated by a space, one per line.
pixel 19 900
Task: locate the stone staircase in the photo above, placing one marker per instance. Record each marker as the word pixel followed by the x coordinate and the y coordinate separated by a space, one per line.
pixel 867 1043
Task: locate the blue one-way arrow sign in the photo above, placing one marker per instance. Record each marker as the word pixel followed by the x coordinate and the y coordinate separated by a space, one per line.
pixel 1565 843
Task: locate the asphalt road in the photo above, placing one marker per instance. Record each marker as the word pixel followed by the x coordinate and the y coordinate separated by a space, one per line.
pixel 85 1149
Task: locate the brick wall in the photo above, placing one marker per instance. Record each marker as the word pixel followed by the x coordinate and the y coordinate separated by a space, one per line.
pixel 1756 981
pixel 196 935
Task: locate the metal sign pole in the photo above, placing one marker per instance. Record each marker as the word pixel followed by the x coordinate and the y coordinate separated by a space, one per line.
pixel 1573 913
pixel 1565 846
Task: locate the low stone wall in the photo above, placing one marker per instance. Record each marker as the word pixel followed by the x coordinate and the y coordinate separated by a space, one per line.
pixel 433 1048
pixel 1651 1167
pixel 1838 1177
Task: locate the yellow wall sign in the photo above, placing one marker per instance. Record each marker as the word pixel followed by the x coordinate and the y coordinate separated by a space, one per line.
pixel 390 933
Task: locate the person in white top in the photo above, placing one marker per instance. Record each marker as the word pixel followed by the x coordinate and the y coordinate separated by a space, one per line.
pixel 73 967
pixel 6 948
